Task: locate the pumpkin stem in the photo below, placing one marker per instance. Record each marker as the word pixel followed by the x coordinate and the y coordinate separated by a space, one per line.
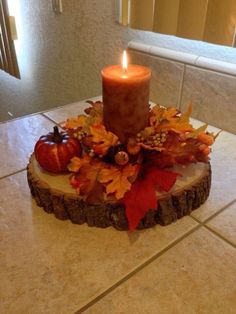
pixel 57 138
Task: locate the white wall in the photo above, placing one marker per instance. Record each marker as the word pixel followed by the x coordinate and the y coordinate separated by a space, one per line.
pixel 60 56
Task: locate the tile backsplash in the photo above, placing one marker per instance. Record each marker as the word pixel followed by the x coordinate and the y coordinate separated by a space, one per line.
pixel 212 93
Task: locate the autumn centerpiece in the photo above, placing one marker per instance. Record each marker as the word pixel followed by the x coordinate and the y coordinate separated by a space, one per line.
pixel 154 171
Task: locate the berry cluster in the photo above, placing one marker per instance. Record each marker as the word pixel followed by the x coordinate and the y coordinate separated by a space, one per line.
pixel 80 135
pixel 154 140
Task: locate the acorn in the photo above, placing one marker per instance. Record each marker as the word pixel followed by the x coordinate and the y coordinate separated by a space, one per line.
pixel 121 158
pixel 112 151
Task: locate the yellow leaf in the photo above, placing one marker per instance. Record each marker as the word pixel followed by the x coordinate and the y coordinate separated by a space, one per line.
pixel 117 179
pixel 76 122
pixel 196 132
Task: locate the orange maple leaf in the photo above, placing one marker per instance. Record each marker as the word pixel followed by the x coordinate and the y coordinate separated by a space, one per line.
pixel 117 179
pixel 96 109
pixel 74 123
pixel 76 163
pixel 88 174
pixel 85 180
pixel 168 119
pixel 102 139
pixel 159 114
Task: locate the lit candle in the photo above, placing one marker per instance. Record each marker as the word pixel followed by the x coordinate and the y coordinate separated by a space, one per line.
pixel 126 98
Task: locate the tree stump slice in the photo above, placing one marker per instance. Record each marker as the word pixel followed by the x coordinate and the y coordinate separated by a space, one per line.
pixel 54 193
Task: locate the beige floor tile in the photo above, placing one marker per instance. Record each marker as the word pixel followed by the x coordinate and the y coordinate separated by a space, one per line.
pixel 223 161
pixel 70 110
pixel 197 276
pixel 17 140
pixel 225 224
pixel 53 266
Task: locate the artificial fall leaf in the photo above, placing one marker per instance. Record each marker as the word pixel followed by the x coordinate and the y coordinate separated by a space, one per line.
pixel 96 194
pixel 159 114
pixel 138 201
pixel 86 179
pixel 180 152
pixel 163 178
pixel 185 117
pixel 96 109
pixel 95 116
pixel 75 123
pixel 118 179
pixel 77 183
pixel 102 139
pixel 206 138
pixel 174 126
pixel 151 148
pixel 169 119
pixel 197 131
pixel 142 196
pixel 76 163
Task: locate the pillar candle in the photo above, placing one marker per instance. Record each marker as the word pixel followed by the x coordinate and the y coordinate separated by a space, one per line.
pixel 126 99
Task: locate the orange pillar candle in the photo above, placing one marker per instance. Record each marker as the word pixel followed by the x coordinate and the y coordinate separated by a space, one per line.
pixel 125 99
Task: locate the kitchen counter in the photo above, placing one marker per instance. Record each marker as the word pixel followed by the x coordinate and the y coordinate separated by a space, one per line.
pixel 53 266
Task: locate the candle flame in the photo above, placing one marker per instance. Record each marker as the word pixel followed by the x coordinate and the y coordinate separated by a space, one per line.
pixel 124 61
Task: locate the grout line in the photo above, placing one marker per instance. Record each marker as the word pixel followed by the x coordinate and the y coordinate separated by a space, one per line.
pixel 32 114
pixel 215 214
pixel 203 223
pixel 48 110
pixel 219 236
pixel 136 270
pixel 160 253
pixel 219 211
pixel 12 174
pixel 51 120
pixel 181 88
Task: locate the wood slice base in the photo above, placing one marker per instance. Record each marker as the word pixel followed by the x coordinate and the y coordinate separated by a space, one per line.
pixel 54 194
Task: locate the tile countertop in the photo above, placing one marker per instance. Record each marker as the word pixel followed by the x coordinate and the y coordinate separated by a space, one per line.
pixel 53 266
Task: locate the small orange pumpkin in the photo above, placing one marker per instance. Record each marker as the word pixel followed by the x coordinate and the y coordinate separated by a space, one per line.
pixel 55 150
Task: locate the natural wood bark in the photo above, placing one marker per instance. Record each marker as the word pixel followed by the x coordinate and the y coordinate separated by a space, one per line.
pixel 70 206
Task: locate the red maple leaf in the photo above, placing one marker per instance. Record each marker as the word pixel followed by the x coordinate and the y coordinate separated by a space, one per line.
pixel 142 196
pixel 163 178
pixel 138 201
